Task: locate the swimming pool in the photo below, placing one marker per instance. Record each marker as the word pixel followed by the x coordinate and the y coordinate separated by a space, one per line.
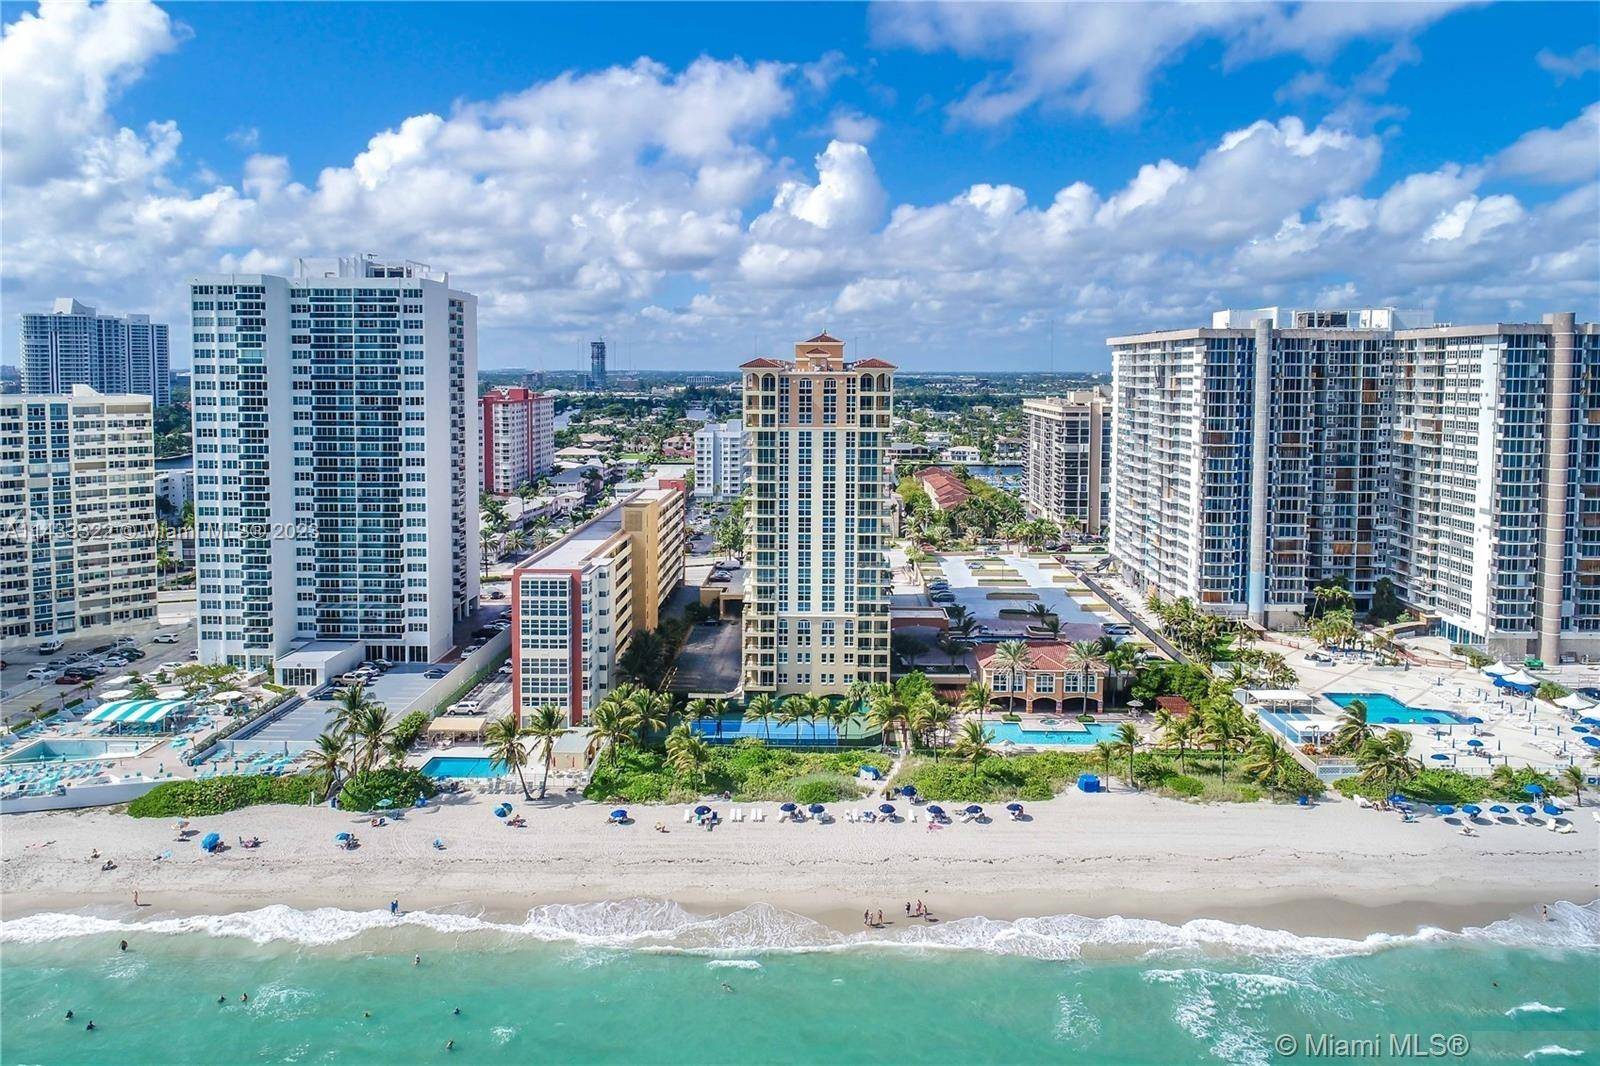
pixel 441 766
pixel 1093 732
pixel 61 749
pixel 1383 709
pixel 736 727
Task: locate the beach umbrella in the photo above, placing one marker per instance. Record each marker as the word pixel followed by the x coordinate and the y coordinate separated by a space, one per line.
pixel 1443 808
pixel 885 808
pixel 1441 756
pixel 1395 797
pixel 1474 743
pixel 1013 806
pixel 1589 721
pixel 702 809
pixel 786 807
pixel 1551 809
pixel 210 841
pixel 1580 729
pixel 816 808
pixel 1391 721
pixel 181 823
pixel 619 814
pixel 974 809
pixel 1526 809
pixel 1471 809
pixel 1593 742
pixel 1533 790
pixel 1500 808
pixel 340 838
pixel 936 810
pixel 386 803
pixel 908 790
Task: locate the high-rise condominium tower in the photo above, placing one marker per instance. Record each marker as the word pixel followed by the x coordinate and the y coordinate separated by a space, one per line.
pixel 74 344
pixel 519 437
pixel 1068 471
pixel 1280 450
pixel 816 522
pixel 336 499
pixel 719 460
pixel 597 364
pixel 77 499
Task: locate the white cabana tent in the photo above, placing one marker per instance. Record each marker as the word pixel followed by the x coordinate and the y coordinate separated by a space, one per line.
pixel 1522 679
pixel 1498 669
pixel 136 712
pixel 1574 702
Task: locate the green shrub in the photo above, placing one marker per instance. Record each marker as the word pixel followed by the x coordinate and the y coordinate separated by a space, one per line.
pixel 216 795
pixel 821 790
pixel 409 728
pixel 1184 785
pixel 369 789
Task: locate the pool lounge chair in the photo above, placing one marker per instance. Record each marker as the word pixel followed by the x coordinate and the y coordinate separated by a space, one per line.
pixel 759 815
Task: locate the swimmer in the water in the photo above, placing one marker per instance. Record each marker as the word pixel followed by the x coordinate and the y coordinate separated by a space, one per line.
pixel 456 1011
pixel 449 1045
pixel 69 1015
pixel 222 999
pixel 244 997
pixel 416 960
pixel 90 1026
pixel 726 987
pixel 366 1014
pixel 124 945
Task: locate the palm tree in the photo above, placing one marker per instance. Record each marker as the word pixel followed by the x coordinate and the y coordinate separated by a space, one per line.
pixel 790 712
pixel 688 754
pixel 973 744
pixel 609 729
pixel 1221 729
pixel 1086 654
pixel 1178 730
pixel 1041 613
pixel 1128 740
pixel 371 729
pixel 1106 751
pixel 977 697
pixel 839 715
pixel 142 690
pixel 352 701
pixel 1572 777
pixel 952 647
pixel 1265 761
pixel 649 711
pixel 888 713
pixel 762 706
pixel 1012 657
pixel 935 722
pixel 327 760
pixel 546 725
pixel 503 740
pixel 1384 761
pixel 1354 730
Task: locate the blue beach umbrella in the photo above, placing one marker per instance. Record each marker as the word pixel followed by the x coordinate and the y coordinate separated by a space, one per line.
pixel 1471 809
pixel 1589 721
pixel 908 790
pixel 1499 808
pixel 1593 742
pixel 936 810
pixel 341 838
pixel 1395 797
pixel 501 812
pixel 787 807
pixel 1580 729
pixel 210 841
pixel 1391 721
pixel 1443 808
pixel 1533 790
pixel 1474 743
pixel 885 808
pixel 1440 756
pixel 974 809
pixel 1551 809
pixel 619 814
pixel 816 808
pixel 1013 806
pixel 1526 809
pixel 702 809
pixel 1474 721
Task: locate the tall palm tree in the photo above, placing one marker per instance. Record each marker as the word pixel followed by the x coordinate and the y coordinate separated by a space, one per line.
pixel 1128 741
pixel 1265 761
pixel 688 754
pixel 609 729
pixel 372 730
pixel 1105 751
pixel 791 711
pixel 351 702
pixel 1354 730
pixel 1222 728
pixel 1385 762
pixel 327 761
pixel 546 725
pixel 1572 777
pixel 762 706
pixel 839 715
pixel 649 711
pixel 1178 731
pixel 935 721
pixel 502 738
pixel 1086 655
pixel 977 697
pixel 1012 657
pixel 973 744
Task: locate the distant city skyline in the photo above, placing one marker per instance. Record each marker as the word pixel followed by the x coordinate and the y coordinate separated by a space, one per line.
pixel 937 187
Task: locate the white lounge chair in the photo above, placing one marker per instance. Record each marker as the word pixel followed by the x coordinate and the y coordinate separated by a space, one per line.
pixel 688 814
pixel 735 815
pixel 913 817
pixel 850 816
pixel 1563 827
pixel 760 815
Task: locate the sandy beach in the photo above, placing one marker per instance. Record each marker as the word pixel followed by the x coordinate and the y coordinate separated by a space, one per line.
pixel 1333 869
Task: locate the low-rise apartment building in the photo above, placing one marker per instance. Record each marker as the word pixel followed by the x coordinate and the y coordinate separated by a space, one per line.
pixel 719 460
pixel 1048 682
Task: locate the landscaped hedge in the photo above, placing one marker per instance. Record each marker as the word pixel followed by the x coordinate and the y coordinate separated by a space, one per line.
pixel 409 728
pixel 368 790
pixel 217 795
pixel 749 769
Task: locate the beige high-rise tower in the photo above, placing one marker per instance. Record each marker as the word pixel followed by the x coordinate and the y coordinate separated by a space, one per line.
pixel 816 520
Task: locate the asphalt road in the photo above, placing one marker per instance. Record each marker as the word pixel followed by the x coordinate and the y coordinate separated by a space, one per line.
pixel 18 695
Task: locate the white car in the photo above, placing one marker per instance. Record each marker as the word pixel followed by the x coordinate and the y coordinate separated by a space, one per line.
pixel 39 673
pixel 50 647
pixel 165 638
pixel 173 666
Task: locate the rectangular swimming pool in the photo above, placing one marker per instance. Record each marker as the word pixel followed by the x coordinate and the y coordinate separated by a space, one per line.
pixel 441 766
pixel 66 749
pixel 1092 733
pixel 1383 709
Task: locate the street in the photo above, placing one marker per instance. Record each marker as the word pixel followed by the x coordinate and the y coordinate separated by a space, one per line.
pixel 19 696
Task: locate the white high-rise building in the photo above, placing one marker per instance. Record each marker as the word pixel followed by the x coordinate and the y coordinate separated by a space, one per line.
pixel 519 437
pixel 1068 471
pixel 77 499
pixel 719 460
pixel 73 344
pixel 817 525
pixel 335 477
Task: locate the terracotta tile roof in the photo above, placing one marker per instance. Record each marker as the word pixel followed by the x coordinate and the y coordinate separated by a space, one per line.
pixel 823 338
pixel 762 363
pixel 944 487
pixel 1175 705
pixel 874 364
pixel 1052 657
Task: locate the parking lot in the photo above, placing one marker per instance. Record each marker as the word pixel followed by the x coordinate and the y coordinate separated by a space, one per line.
pixel 19 694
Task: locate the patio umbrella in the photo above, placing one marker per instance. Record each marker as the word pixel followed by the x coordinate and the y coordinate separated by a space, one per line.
pixel 1474 743
pixel 210 841
pixel 1589 721
pixel 1593 742
pixel 1443 808
pixel 816 808
pixel 885 808
pixel 908 790
pixel 1580 729
pixel 1526 809
pixel 786 807
pixel 974 809
pixel 1551 809
pixel 702 809
pixel 341 838
pixel 1441 756
pixel 386 803
pixel 1013 806
pixel 1500 808
pixel 936 810
pixel 1533 790
pixel 619 814
pixel 1471 809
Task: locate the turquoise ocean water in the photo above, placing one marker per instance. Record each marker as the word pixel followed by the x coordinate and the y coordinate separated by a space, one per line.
pixel 644 981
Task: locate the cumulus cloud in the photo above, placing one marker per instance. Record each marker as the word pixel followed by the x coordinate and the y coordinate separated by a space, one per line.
pixel 647 200
pixel 1099 58
pixel 1585 60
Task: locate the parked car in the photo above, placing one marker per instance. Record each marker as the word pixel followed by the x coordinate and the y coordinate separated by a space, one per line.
pixel 1319 657
pixel 165 638
pixel 434 675
pixel 470 649
pixel 383 664
pixel 495 594
pixel 39 673
pixel 50 647
pixel 172 666
pixel 505 670
pixel 71 679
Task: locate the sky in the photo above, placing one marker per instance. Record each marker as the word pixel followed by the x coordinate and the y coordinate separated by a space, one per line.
pixel 949 186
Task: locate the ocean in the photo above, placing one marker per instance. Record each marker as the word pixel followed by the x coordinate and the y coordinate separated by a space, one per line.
pixel 646 981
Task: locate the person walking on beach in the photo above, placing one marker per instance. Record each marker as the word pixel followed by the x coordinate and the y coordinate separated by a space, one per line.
pixel 880 919
pixel 136 897
pixel 866 919
pixel 394 906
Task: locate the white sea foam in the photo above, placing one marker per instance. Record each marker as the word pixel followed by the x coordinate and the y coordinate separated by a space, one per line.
pixel 1534 1007
pixel 1554 1051
pixel 734 964
pixel 664 926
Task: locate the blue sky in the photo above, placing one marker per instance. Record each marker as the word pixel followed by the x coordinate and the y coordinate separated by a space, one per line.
pixel 934 182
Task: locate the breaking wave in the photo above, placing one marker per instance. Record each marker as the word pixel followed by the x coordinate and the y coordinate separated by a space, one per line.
pixel 664 926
